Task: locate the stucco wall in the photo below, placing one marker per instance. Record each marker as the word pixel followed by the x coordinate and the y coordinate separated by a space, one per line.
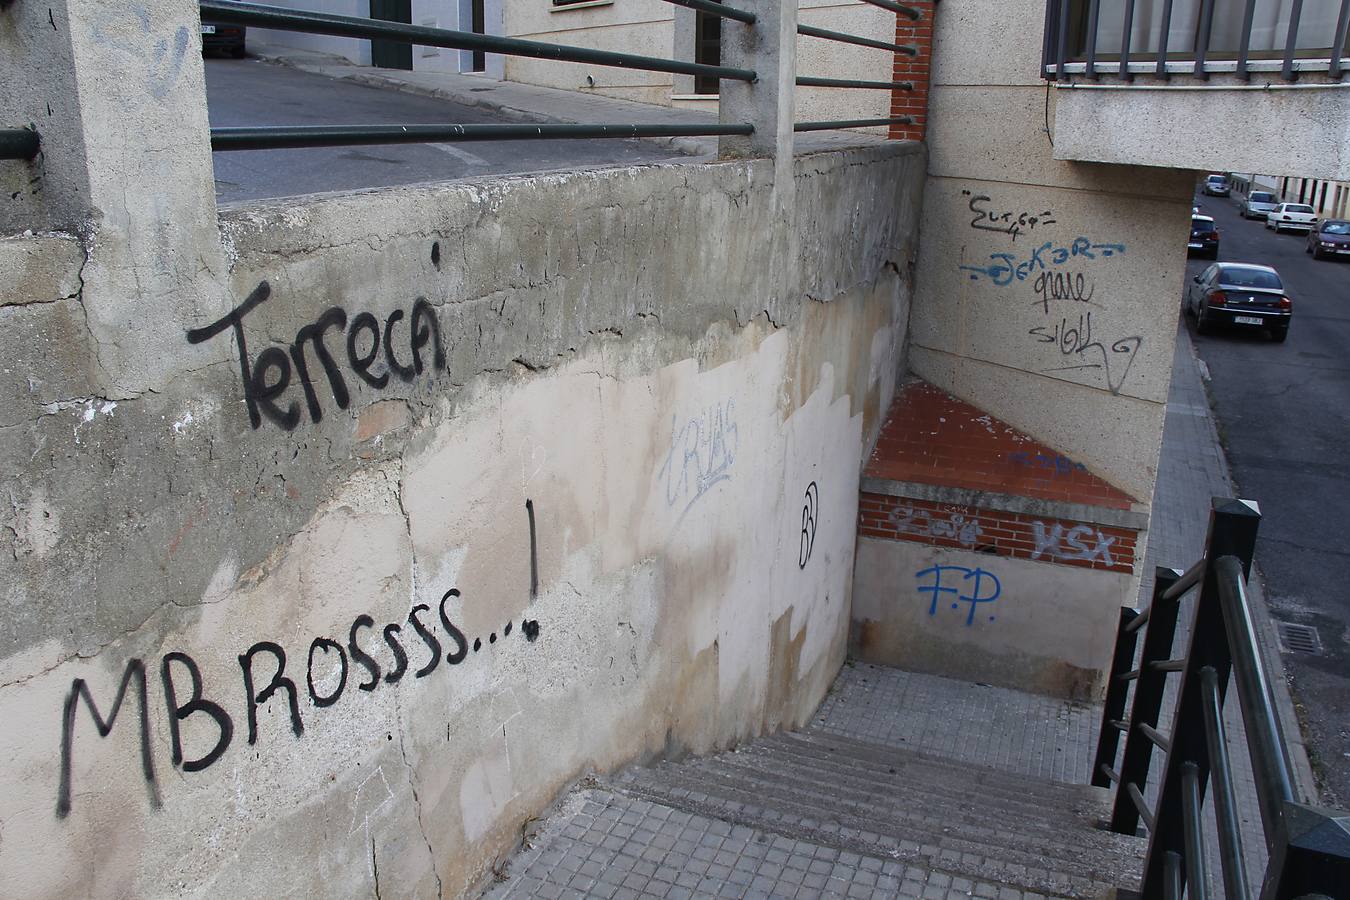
pixel 1048 291
pixel 586 528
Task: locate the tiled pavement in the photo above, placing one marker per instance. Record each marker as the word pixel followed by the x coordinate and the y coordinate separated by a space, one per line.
pixel 608 845
pixel 603 842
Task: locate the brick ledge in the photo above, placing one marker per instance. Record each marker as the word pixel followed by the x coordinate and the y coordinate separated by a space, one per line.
pixel 1013 503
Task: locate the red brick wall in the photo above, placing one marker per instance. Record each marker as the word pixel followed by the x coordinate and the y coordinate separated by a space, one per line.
pixel 915 69
pixel 1002 533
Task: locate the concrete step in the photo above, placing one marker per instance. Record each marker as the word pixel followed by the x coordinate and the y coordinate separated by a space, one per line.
pixel 1010 853
pixel 907 791
pixel 907 769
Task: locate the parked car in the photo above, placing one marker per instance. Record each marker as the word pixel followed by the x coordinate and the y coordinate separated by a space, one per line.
pixel 1331 237
pixel 1204 237
pixel 1258 205
pixel 1217 186
pixel 225 38
pixel 1294 216
pixel 1239 294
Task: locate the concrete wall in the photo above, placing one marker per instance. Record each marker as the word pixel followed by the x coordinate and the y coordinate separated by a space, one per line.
pixel 1273 126
pixel 592 495
pixel 1048 291
pixel 655 28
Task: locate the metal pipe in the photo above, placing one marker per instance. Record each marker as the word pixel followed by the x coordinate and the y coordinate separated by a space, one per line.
pixel 1159 740
pixel 1231 856
pixel 1140 805
pixel 1197 886
pixel 1168 665
pixel 811 31
pixel 1189 579
pixel 851 123
pixel 282 137
pixel 1129 676
pixel 811 81
pixel 1202 37
pixel 1110 773
pixel 901 9
pixel 1265 741
pixel 1338 45
pixel 1139 621
pixel 1172 875
pixel 1291 40
pixel 19 143
pixel 1245 42
pixel 717 9
pixel 261 16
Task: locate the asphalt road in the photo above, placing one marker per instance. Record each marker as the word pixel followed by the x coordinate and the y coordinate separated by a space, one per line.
pixel 252 92
pixel 1283 411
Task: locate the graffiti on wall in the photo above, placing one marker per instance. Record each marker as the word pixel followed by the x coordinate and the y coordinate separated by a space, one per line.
pixel 954 526
pixel 972 587
pixel 1057 465
pixel 1079 542
pixel 1004 269
pixel 376 353
pixel 1009 222
pixel 363 660
pixel 810 510
pixel 701 456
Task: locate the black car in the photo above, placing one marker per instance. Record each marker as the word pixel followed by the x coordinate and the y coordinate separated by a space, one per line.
pixel 1239 294
pixel 225 38
pixel 1330 237
pixel 1204 237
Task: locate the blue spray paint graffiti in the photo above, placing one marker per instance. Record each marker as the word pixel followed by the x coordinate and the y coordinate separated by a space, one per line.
pixel 1005 268
pixel 702 453
pixel 982 579
pixel 1058 465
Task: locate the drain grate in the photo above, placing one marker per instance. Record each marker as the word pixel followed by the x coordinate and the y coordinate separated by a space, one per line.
pixel 1299 638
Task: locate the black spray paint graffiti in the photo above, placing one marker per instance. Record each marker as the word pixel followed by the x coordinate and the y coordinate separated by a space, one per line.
pixel 264 664
pixel 1057 543
pixel 701 454
pixel 266 378
pixel 1076 341
pixel 810 509
pixel 1003 222
pixel 1072 286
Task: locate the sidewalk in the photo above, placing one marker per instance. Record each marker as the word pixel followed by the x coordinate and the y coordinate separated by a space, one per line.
pixel 519 102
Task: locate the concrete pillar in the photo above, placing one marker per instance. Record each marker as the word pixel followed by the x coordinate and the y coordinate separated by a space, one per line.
pixel 770 48
pixel 118 93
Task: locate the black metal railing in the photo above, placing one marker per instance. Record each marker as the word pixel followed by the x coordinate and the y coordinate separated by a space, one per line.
pixel 19 143
pixel 1309 848
pixel 239 12
pixel 1125 38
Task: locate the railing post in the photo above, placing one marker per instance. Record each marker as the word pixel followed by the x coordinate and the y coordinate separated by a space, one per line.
pixel 1312 856
pixel 1148 694
pixel 1232 532
pixel 1117 692
pixel 769 47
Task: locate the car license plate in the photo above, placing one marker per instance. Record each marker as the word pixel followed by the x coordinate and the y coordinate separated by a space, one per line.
pixel 1248 320
pixel 208 29
pixel 1346 250
pixel 1194 246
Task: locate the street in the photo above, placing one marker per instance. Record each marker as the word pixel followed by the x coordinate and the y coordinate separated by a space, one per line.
pixel 252 92
pixel 1281 410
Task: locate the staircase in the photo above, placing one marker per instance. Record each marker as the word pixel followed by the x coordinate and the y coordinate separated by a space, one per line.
pixel 844 808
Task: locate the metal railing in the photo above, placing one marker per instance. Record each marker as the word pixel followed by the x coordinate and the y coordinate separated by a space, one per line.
pixel 19 143
pixel 1125 38
pixel 1309 848
pixel 258 15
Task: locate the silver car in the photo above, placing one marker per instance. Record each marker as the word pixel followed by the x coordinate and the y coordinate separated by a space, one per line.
pixel 1258 205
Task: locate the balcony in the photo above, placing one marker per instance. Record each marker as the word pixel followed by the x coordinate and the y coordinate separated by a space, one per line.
pixel 1240 85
